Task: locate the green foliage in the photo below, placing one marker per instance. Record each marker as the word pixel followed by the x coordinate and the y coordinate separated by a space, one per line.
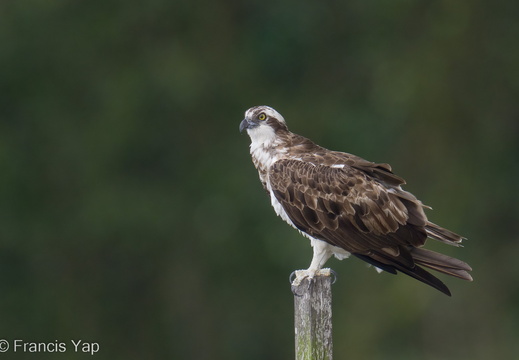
pixel 130 212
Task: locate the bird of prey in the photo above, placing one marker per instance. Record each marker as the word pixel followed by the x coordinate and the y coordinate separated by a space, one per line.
pixel 346 205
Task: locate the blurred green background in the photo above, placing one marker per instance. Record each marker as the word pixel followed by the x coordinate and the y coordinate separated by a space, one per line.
pixel 131 214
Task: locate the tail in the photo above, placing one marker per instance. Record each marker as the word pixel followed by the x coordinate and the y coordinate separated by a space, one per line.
pixel 408 262
pixel 442 263
pixel 446 236
pixel 439 262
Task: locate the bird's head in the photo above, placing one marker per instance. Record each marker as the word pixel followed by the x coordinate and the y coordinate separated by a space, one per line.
pixel 262 123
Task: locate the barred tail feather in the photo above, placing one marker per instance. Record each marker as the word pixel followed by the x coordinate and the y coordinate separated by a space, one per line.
pixel 446 236
pixel 381 262
pixel 442 263
pixel 424 276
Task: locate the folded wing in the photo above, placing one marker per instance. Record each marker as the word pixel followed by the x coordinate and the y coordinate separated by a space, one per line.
pixel 359 206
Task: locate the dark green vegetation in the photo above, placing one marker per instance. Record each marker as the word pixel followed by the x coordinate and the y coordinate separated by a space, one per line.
pixel 131 214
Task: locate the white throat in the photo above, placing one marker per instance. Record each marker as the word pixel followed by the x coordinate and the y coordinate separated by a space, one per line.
pixel 262 136
pixel 263 147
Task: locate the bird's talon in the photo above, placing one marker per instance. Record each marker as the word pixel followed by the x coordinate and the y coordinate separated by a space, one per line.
pixel 335 276
pixel 292 276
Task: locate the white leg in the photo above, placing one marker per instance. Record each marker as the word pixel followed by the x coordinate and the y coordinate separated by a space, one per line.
pixel 322 252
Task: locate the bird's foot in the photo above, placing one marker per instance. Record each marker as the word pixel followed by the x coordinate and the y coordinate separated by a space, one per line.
pixel 297 277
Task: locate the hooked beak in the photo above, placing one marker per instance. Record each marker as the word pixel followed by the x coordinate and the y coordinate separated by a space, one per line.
pixel 245 124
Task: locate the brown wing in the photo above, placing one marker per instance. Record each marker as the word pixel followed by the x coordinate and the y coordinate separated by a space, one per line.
pixel 358 206
pixel 346 207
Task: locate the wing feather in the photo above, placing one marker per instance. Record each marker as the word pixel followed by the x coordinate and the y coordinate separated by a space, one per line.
pixel 359 206
pixel 319 194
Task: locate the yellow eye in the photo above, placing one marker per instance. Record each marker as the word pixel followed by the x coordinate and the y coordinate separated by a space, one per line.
pixel 262 117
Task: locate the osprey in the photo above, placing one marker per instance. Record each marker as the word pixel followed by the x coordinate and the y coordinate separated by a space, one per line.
pixel 346 205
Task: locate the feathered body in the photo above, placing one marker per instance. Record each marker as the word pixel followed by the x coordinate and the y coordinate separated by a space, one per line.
pixel 345 204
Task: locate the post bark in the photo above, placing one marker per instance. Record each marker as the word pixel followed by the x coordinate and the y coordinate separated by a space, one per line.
pixel 313 317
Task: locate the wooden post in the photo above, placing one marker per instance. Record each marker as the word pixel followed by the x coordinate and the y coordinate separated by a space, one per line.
pixel 313 317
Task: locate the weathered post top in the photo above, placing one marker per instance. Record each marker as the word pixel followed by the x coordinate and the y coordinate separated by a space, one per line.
pixel 313 317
